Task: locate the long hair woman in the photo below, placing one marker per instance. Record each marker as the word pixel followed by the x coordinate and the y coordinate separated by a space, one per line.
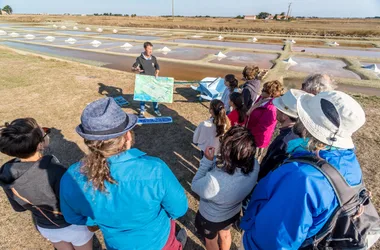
pixel 131 197
pixel 209 132
pixel 31 182
pixel 222 185
pixel 238 115
pixel 231 86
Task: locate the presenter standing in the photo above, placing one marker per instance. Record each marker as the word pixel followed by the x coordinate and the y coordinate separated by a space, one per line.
pixel 146 64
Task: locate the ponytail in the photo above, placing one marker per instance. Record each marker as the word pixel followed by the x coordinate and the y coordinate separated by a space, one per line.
pixel 241 108
pixel 232 82
pixel 95 165
pixel 221 120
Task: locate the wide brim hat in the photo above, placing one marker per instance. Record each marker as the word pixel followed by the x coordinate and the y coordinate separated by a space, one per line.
pixel 331 117
pixel 287 103
pixel 103 120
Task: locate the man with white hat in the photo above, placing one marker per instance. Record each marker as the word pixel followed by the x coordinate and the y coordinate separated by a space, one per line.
pixel 286 116
pixel 294 202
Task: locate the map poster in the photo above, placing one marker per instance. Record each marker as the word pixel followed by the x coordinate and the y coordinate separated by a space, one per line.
pixel 152 89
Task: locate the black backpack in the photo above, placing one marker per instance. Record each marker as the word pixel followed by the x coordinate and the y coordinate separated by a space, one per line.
pixel 355 224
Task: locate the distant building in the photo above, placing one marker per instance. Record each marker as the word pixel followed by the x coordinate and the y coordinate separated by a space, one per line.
pixel 250 17
pixel 3 12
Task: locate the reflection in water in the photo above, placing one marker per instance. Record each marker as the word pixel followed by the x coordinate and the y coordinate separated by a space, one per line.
pixel 327 66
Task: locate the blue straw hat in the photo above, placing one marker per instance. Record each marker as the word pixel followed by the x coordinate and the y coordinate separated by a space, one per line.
pixel 103 120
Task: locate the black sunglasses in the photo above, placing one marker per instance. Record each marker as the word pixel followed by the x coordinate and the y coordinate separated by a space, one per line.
pixel 46 131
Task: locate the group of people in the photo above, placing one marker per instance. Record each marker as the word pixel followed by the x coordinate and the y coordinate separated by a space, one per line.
pixel 134 198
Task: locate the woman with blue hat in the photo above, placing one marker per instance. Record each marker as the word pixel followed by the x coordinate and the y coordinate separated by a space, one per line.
pixel 131 197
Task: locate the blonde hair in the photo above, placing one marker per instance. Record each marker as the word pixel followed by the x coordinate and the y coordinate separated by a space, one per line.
pixel 274 88
pixel 221 120
pixel 95 165
pixel 251 72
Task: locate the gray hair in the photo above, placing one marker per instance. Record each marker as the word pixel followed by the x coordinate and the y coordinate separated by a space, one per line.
pixel 316 83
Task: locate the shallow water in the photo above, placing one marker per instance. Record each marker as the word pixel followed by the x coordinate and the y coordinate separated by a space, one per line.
pixel 36 28
pixel 124 63
pixel 327 66
pixel 245 58
pixel 73 32
pixel 230 44
pixel 187 53
pixel 105 45
pixel 341 52
pixel 131 37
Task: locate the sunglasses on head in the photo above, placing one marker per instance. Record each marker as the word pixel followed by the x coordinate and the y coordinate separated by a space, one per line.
pixel 46 131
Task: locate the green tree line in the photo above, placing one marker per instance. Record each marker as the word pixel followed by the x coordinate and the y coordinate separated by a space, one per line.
pixel 8 9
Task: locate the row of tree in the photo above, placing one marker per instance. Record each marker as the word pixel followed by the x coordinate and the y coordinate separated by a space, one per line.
pixel 7 9
pixel 112 14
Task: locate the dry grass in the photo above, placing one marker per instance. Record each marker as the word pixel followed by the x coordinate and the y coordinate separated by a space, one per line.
pixel 320 27
pixel 56 92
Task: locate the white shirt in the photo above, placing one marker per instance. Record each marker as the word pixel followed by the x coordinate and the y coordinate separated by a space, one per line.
pixel 205 135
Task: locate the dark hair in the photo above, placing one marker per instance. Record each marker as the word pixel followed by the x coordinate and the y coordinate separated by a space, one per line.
pixel 293 119
pixel 251 72
pixel 20 138
pixel 233 82
pixel 220 120
pixel 237 150
pixel 241 108
pixel 146 44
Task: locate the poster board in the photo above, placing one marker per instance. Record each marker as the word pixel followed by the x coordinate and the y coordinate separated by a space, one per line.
pixel 153 89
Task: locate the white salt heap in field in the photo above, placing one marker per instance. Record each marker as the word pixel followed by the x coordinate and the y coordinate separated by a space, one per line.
pixel 3 33
pixel 126 45
pixel 100 30
pixel 165 49
pixel 372 67
pixel 14 34
pixel 254 39
pixel 30 37
pixel 196 36
pixel 75 28
pixel 63 27
pixel 220 55
pixel 220 37
pixel 55 26
pixel 96 43
pixel 50 38
pixel 115 31
pixel 70 41
pixel 290 61
pixel 88 29
pixel 333 44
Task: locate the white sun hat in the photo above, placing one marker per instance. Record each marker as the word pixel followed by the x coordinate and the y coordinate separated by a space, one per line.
pixel 331 117
pixel 287 103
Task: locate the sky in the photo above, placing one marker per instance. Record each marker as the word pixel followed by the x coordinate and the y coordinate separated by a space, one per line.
pixel 321 8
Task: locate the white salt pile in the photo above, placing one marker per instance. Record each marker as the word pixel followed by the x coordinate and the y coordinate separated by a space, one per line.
pixel 290 61
pixel 70 41
pixel 254 39
pixel 75 28
pixel 96 43
pixel 126 45
pixel 63 27
pixel 100 30
pixel 88 29
pixel 334 44
pixel 115 31
pixel 220 37
pixel 30 37
pixel 196 36
pixel 220 55
pixel 55 26
pixel 165 49
pixel 14 34
pixel 3 33
pixel 50 38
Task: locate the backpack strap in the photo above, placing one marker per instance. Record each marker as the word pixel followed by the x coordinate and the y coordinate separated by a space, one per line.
pixel 44 159
pixel 342 189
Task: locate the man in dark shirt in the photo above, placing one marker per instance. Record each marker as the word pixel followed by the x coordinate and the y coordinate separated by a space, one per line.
pixel 146 64
pixel 287 116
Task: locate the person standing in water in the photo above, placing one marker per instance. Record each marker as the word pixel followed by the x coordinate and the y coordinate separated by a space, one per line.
pixel 146 64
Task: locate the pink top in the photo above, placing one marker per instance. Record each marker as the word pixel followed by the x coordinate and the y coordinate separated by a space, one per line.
pixel 262 123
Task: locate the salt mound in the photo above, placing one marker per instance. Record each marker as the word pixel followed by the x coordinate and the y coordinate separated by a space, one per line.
pixel 3 33
pixel 127 45
pixel 14 34
pixel 254 39
pixel 30 37
pixel 70 41
pixel 115 31
pixel 290 61
pixel 55 26
pixel 95 43
pixel 50 38
pixel 220 55
pixel 165 49
pixel 88 29
pixel 334 44
pixel 220 38
pixel 75 28
pixel 197 36
pixel 291 41
pixel 372 67
pixel 100 30
pixel 63 27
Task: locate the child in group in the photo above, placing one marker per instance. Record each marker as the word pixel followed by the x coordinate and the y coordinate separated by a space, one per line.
pixel 31 182
pixel 222 184
pixel 232 86
pixel 238 115
pixel 208 132
pixel 262 115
